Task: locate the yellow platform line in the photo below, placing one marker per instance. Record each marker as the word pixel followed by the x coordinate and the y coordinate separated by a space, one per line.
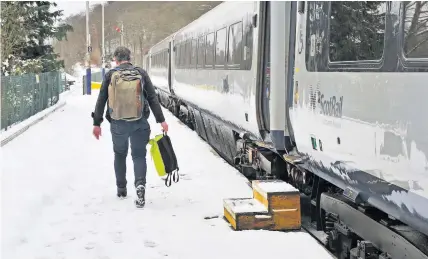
pixel 96 85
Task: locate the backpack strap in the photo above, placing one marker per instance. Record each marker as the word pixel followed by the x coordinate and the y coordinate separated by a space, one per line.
pixel 142 78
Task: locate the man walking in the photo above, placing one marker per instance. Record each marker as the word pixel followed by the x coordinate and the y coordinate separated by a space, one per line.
pixel 128 89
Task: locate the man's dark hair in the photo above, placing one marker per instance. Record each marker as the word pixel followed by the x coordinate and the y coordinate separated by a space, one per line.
pixel 122 54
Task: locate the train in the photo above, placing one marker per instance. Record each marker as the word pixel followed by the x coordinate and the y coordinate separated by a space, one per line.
pixel 327 96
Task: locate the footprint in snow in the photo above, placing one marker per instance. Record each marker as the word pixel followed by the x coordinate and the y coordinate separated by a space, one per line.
pixel 117 239
pixel 89 246
pixel 68 237
pixel 211 217
pixel 23 240
pixel 185 177
pixel 148 243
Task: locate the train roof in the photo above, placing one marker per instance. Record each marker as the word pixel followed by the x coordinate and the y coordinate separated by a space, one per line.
pixel 223 14
pixel 227 10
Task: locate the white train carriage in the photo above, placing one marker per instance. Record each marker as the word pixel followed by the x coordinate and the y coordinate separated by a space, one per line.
pixel 359 105
pixel 329 96
pixel 215 73
pixel 160 68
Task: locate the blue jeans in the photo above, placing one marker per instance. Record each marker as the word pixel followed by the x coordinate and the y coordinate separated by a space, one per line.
pixel 139 133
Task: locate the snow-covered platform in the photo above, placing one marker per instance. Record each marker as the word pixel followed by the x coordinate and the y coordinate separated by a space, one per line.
pixel 58 199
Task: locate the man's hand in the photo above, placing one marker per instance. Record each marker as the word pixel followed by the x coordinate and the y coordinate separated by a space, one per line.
pixel 164 126
pixel 97 132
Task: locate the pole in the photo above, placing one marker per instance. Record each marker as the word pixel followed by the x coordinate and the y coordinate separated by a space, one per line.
pixel 88 52
pixel 103 71
pixel 121 36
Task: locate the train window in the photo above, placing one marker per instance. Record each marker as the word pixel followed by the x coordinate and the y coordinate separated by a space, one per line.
pixel 415 43
pixel 220 47
pixel 248 48
pixel 165 58
pixel 156 60
pixel 201 52
pixel 234 53
pixel 187 53
pixel 182 54
pixel 176 55
pixel 356 30
pixel 209 50
pixel 194 48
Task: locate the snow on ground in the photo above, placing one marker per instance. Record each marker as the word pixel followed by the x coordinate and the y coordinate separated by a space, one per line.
pixel 58 199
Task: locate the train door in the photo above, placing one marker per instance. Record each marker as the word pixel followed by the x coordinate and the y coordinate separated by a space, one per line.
pixel 266 70
pixel 281 67
pixel 263 73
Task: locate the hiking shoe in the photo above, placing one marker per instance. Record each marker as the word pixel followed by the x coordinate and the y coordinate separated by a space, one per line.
pixel 140 201
pixel 121 192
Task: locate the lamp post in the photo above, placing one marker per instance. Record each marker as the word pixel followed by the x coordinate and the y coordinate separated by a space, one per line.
pixel 88 52
pixel 122 43
pixel 103 71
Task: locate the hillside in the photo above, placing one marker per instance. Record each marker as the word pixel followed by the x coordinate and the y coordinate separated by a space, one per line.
pixel 144 23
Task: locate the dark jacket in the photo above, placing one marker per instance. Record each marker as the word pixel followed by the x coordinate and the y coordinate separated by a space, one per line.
pixel 148 91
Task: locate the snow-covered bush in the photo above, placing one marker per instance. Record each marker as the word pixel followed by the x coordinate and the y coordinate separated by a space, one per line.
pixel 14 66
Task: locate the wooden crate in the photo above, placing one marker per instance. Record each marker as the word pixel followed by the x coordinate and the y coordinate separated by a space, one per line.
pixel 276 195
pixel 246 214
pixel 282 201
pixel 289 219
pixel 275 206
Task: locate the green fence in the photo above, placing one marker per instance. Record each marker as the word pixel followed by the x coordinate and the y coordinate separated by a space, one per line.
pixel 97 76
pixel 23 96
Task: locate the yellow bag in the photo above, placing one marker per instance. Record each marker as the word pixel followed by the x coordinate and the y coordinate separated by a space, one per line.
pixel 164 158
pixel 156 155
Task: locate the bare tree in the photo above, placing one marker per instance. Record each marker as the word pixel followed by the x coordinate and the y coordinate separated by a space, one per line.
pixel 145 23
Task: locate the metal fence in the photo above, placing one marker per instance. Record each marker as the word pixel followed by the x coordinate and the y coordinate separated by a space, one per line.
pixel 24 96
pixel 97 76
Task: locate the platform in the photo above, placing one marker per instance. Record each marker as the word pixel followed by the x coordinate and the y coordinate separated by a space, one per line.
pixel 69 208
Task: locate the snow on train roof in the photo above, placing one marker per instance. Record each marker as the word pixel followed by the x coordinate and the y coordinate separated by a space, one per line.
pixel 224 14
pixel 228 11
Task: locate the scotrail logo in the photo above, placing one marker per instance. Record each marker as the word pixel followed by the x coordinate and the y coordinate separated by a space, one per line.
pixel 331 106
